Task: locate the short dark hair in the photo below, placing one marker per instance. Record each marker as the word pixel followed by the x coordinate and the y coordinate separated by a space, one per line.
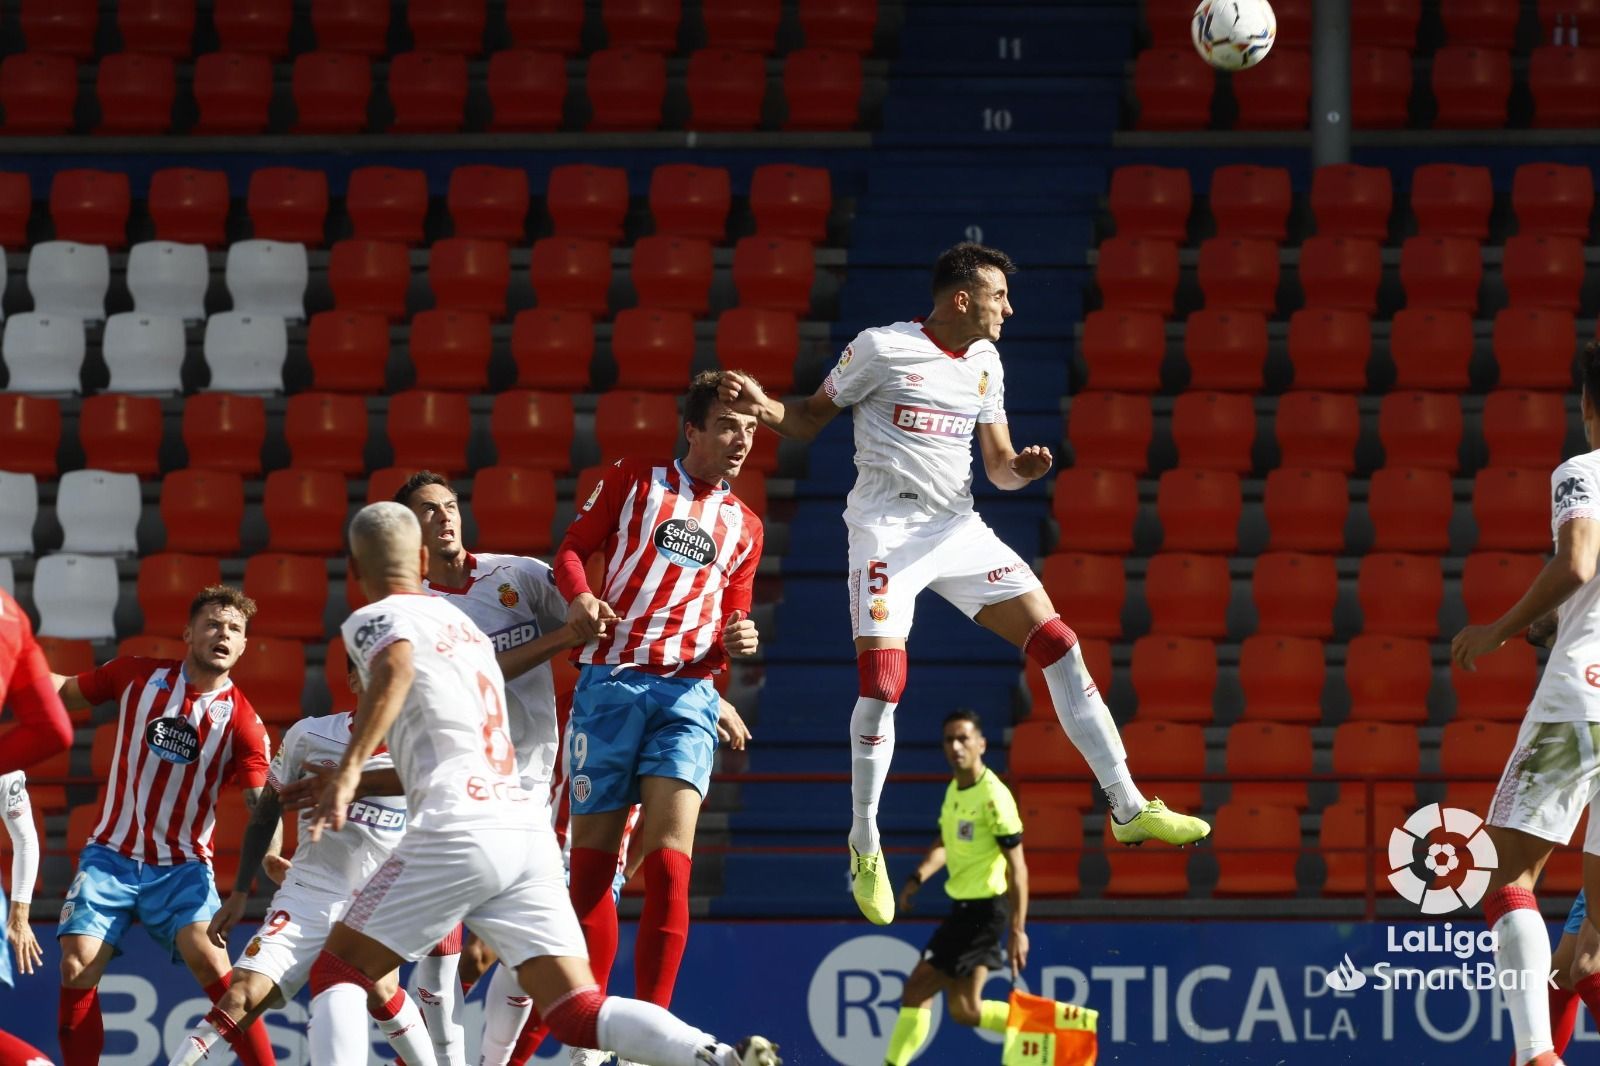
pixel 959 266
pixel 702 394
pixel 1591 372
pixel 963 714
pixel 223 596
pixel 420 480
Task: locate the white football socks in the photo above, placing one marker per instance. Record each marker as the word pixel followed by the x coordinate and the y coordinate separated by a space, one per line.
pixel 1089 725
pixel 197 1046
pixel 645 1032
pixel 1524 951
pixel 408 1034
pixel 338 1031
pixel 506 1009
pixel 438 994
pixel 871 750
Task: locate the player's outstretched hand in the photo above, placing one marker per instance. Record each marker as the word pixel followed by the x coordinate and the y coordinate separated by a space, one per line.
pixel 24 945
pixel 332 801
pixel 908 893
pixel 731 729
pixel 742 393
pixel 302 795
pixel 276 867
pixel 227 916
pixel 1472 642
pixel 1032 462
pixel 589 616
pixel 1019 953
pixel 739 636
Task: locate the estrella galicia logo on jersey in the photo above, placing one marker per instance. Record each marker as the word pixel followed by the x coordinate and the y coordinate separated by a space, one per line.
pixel 1572 490
pixel 937 423
pixel 173 739
pixel 372 630
pixel 683 542
pixel 376 816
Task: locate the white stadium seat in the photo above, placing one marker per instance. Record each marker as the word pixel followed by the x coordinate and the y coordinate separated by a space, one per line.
pixel 19 508
pixel 268 277
pixel 98 512
pixel 70 279
pixel 246 351
pixel 43 352
pixel 144 352
pixel 76 596
pixel 167 278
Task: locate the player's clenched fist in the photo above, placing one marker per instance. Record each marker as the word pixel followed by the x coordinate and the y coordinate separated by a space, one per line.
pixel 589 616
pixel 1032 462
pixel 742 393
pixel 739 636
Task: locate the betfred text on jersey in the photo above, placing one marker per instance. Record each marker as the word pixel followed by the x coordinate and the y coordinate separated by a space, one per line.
pixel 939 423
pixel 376 816
pixel 514 637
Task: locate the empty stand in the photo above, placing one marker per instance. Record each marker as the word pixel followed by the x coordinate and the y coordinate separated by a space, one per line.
pixel 626 88
pixel 1188 594
pixel 1123 350
pixel 1275 96
pixel 1410 509
pixel 288 204
pixel 1096 509
pixel 1306 509
pixel 1263 846
pixel 16 205
pixel 488 202
pixel 267 277
pixel 202 510
pixel 386 204
pixel 748 25
pixel 76 596
pixel 514 508
pixel 1431 348
pixel 532 429
pixel 1563 81
pixel 572 274
pixel 652 348
pixel 168 583
pixel 1387 753
pixel 143 352
pixel 272 671
pixel 326 431
pixel 449 25
pixel 1341 273
pixel 1499 686
pixel 69 279
pixel 1091 589
pixel 635 423
pixel 1511 509
pixel 1525 429
pixel 1388 678
pixel 1352 201
pixel 527 90
pixel 552 348
pixel 1421 429
pixel 1355 839
pixel 1137 274
pixel 246 352
pixel 1294 594
pixel 1282 678
pixel 649 24
pixel 1214 430
pixel 727 89
pixel 1318 430
pixel 1174 678
pixel 136 94
pixel 1543 270
pixel 121 434
pixel 791 201
pixel 370 276
pixel 674 274
pixel 305 511
pixel 1151 202
pixel 19 509
pixel 1472 756
pixel 1471 86
pixel 189 206
pixel 690 201
pixel 349 350
pixel 165 278
pixel 43 352
pixel 331 90
pixel 1330 349
pixel 225 432
pixel 822 88
pixel 98 512
pixel 470 274
pixel 1251 201
pixel 1226 349
pixel 290 593
pixel 1174 89
pixel 64 27
pixel 233 91
pixel 1199 510
pixel 428 91
pixel 38 92
pixel 1400 594
pixel 1380 86
pixel 1110 429
pixel 1534 347
pixel 450 350
pixel 1450 200
pixel 766 343
pixel 428 430
pixel 776 273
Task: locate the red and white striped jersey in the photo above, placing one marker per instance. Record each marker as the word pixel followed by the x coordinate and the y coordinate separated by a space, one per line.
pixel 680 556
pixel 176 747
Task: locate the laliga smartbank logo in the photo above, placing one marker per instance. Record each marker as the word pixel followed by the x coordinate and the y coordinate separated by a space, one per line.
pixel 1440 859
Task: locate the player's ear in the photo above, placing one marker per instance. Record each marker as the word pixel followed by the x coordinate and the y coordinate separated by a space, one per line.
pixel 355 567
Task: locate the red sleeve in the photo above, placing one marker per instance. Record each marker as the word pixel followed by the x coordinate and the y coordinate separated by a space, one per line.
pixel 590 529
pixel 741 586
pixel 42 727
pixel 250 763
pixel 105 682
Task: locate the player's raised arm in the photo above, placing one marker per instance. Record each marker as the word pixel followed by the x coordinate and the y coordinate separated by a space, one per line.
pixel 1008 468
pixel 1572 566
pixel 800 419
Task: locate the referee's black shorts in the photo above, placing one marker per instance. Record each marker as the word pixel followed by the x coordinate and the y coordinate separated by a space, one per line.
pixel 973 936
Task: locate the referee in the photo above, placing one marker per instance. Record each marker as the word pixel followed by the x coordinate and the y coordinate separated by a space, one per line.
pixel 980 840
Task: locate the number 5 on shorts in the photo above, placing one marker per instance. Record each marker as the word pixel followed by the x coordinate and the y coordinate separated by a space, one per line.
pixel 877 577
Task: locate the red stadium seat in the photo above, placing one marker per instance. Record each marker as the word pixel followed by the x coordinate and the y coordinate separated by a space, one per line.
pixel 653 349
pixel 233 91
pixel 1239 274
pixel 1226 350
pixel 67 656
pixel 387 204
pixel 91 207
pixel 1214 430
pixel 1499 686
pixel 646 24
pixel 468 274
pixel 1261 846
pixel 450 350
pixel 288 204
pixel 16 205
pixel 360 27
pixel 1150 201
pixel 201 510
pixel 1306 509
pixel 847 24
pixel 1096 509
pixel 1168 22
pixel 429 430
pixel 1330 349
pixel 189 206
pixel 449 25
pixel 121 433
pixel 1145 874
pixel 1511 509
pixel 791 201
pixel 1524 429
pixel 1199 510
pixel 626 89
pixel 1056 847
pixel 1431 348
pixel 1123 350
pixel 1389 23
pixel 532 429
pixel 690 201
pixel 428 91
pixel 1092 588
pixel 1275 96
pixel 1388 678
pixel 384 482
pixel 348 350
pixel 727 89
pixel 224 432
pixel 1111 430
pixel 1172 748
pixel 775 273
pixel 674 273
pixel 1174 89
pixel 1543 271
pixel 745 25
pixel 1352 201
pixel 1410 510
pixel 1420 429
pixel 588 201
pixel 571 273
pixel 331 90
pixel 1553 199
pixel 489 202
pixel 765 343
pixel 1341 273
pixel 136 93
pixel 1380 87
pixel 1534 347
pixel 527 90
pixel 552 348
pixel 167 584
pixel 822 88
pixel 1294 594
pixel 305 511
pixel 39 93
pixel 1451 200
pixel 1564 82
pixel 514 507
pixel 290 591
pixel 1250 201
pixel 1353 840
pixel 1269 749
pixel 1039 749
pixel 370 276
pixel 636 423
pixel 272 672
pixel 1282 678
pixel 555 25
pixel 1472 755
pixel 1400 594
pixel 1174 678
pixel 63 27
pixel 1387 751
pixel 255 26
pixel 1471 86
pixel 1317 429
pixel 326 431
pixel 1137 274
pixel 1188 594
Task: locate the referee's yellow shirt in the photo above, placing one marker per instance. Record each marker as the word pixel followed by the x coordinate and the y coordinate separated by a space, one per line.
pixel 969 823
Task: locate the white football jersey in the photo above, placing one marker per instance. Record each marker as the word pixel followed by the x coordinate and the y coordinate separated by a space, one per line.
pixel 340 862
pixel 514 600
pixel 1569 690
pixel 916 408
pixel 451 741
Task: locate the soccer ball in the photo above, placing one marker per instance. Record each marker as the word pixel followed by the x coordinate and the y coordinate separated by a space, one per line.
pixel 1233 34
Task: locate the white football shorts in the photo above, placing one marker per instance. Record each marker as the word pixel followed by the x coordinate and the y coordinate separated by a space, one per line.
pixel 959 557
pixel 1552 776
pixel 298 921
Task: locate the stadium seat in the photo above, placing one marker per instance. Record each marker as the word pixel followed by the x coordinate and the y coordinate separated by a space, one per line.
pixel 39 93
pixel 674 274
pixel 690 201
pixel 305 511
pixel 167 584
pixel 1151 202
pixel 1258 850
pixel 572 274
pixel 16 207
pixel 487 202
pixel 645 24
pixel 1174 89
pixel 76 596
pixel 1318 430
pixel 1282 678
pixel 348 350
pixel 653 349
pixel 1472 756
pixel 1485 23
pixel 66 656
pixel 98 512
pixel 626 88
pixel 1330 349
pixel 1174 678
pixel 223 432
pixel 268 278
pixel 1096 509
pixel 587 201
pixel 1294 594
pixel 1563 82
pixel 1499 686
pixel 471 275
pixel 1056 844
pixel 63 27
pixel 1250 201
pixel 136 93
pixel 1226 350
pixel 1341 273
pixel 387 204
pixel 428 91
pixel 384 482
pixel 1091 589
pixel 1145 874
pixel 429 430
pixel 791 201
pixel 776 273
pixel 1472 86
pixel 636 423
pixel 288 204
pixel 1388 678
pixel 1410 510
pixel 246 352
pixel 450 350
pixel 1111 430
pixel 331 91
pixel 1451 200
pixel 169 279
pixel 1352 201
pixel 1380 87
pixel 527 90
pixel 359 27
pixel 202 510
pixel 552 348
pixel 258 26
pixel 121 434
pixel 290 593
pixel 143 352
pixel 847 24
pixel 19 509
pixel 43 352
pixel 449 25
pixel 1275 97
pixel 743 25
pixel 1171 754
pixel 1306 509
pixel 553 24
pixel 766 343
pixel 1199 510
pixel 90 207
pixel 1188 594
pixel 370 276
pixel 514 508
pixel 189 206
pixel 30 433
pixel 326 431
pixel 1123 350
pixel 1553 199
pixel 1137 274
pixel 1400 594
pixel 272 672
pixel 1354 842
pixel 822 88
pixel 727 89
pixel 1214 430
pixel 1543 271
pixel 1431 348
pixel 1041 751
pixel 1421 429
pixel 1524 429
pixel 233 91
pixel 1511 509
pixel 1379 750
pixel 532 429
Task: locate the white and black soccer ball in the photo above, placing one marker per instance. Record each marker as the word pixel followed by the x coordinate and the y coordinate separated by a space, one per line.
pixel 1233 34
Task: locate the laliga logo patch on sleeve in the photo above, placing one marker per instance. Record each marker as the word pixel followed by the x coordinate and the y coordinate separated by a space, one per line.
pixel 372 631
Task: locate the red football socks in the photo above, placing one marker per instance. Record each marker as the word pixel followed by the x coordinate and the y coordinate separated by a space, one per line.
pixel 663 925
pixel 79 1027
pixel 251 1044
pixel 534 1030
pixel 590 888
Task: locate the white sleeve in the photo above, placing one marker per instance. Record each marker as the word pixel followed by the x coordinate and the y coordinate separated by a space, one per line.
pixel 1572 489
pixel 368 631
pixel 992 407
pixel 858 371
pixel 18 816
pixel 285 766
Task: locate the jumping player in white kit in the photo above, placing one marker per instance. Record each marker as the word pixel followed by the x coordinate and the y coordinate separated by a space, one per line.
pixel 479 847
pixel 1553 774
pixel 920 391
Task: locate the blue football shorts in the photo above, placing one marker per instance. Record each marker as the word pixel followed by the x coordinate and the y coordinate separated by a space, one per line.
pixel 111 890
pixel 627 724
pixel 1576 916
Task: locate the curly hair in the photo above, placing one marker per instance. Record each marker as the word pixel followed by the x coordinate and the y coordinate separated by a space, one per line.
pixel 222 596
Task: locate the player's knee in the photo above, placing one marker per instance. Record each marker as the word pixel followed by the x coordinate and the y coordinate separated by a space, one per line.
pixel 1049 641
pixel 574 1019
pixel 77 972
pixel 965 1011
pixel 330 970
pixel 384 988
pixel 882 672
